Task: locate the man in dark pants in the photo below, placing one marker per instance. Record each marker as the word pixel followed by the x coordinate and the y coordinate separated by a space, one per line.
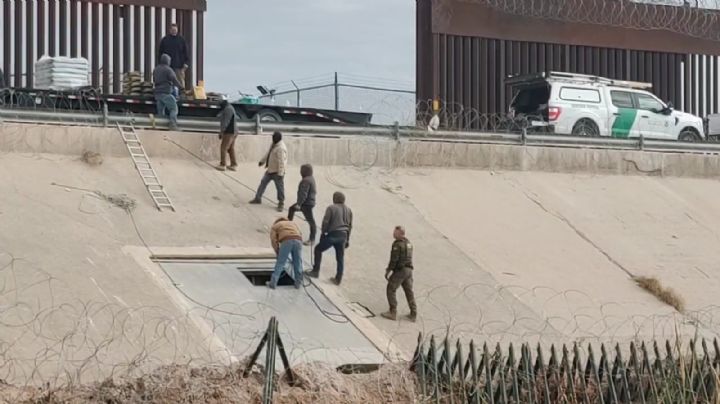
pixel 275 162
pixel 228 133
pixel 400 273
pixel 175 46
pixel 336 229
pixel 306 200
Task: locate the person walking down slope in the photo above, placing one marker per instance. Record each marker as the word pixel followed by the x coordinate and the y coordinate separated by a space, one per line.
pixel 275 162
pixel 306 200
pixel 175 46
pixel 164 79
pixel 286 240
pixel 336 229
pixel 400 273
pixel 228 133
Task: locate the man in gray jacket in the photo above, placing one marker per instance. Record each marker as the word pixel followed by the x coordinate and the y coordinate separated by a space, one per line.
pixel 164 79
pixel 228 133
pixel 336 229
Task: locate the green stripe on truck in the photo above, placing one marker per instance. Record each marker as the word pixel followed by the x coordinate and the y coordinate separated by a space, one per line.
pixel 623 122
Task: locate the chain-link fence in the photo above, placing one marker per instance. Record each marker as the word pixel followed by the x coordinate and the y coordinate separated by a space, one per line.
pixel 389 101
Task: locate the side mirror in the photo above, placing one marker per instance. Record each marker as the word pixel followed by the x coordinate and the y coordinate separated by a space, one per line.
pixel 669 105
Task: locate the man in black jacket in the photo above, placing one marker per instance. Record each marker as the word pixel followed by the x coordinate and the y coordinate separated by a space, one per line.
pixel 228 133
pixel 306 200
pixel 175 46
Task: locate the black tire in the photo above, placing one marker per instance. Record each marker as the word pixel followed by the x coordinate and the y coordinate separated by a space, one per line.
pixel 268 115
pixel 586 128
pixel 689 135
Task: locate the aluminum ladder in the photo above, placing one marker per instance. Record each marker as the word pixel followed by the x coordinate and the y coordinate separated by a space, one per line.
pixel 144 168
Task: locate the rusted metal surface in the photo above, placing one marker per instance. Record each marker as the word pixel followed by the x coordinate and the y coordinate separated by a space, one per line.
pixel 52 27
pixel 100 30
pixel 74 28
pixel 468 18
pixel 197 5
pixel 63 28
pixel 148 44
pixel 84 28
pixel 116 47
pixel 465 51
pixel 29 42
pixel 18 45
pixel 95 46
pixel 127 38
pixel 158 29
pixel 200 46
pixel 137 38
pixel 106 48
pixel 40 28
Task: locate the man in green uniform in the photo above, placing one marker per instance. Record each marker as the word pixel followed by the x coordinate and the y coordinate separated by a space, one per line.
pixel 400 273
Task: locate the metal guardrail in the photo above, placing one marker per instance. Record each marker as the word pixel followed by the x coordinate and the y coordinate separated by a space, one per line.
pixel 393 132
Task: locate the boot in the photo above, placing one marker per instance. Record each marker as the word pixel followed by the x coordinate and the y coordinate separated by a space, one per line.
pixel 315 273
pixel 220 167
pixel 335 281
pixel 390 315
pixel 280 207
pixel 411 317
pixel 233 167
pixel 255 202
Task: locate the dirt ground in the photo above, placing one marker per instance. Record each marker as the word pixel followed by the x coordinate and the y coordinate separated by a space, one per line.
pixel 316 383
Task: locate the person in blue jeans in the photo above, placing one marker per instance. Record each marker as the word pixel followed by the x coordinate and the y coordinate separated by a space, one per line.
pixel 286 240
pixel 164 81
pixel 336 229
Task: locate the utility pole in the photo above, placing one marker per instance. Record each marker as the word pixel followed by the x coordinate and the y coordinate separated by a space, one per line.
pixel 337 93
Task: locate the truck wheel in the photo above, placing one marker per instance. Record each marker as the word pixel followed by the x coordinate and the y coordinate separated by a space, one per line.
pixel 268 115
pixel 585 128
pixel 689 135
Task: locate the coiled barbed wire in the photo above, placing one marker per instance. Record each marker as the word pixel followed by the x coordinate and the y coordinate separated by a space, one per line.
pixel 695 18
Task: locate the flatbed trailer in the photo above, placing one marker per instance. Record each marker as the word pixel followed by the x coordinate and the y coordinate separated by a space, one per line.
pixel 90 100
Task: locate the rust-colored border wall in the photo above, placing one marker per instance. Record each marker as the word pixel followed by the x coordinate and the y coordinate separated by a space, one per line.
pixel 465 52
pixel 115 35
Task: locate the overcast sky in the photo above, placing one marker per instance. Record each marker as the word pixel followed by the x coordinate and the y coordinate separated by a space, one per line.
pixel 251 42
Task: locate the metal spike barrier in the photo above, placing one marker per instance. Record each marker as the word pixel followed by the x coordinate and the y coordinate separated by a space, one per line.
pixel 679 373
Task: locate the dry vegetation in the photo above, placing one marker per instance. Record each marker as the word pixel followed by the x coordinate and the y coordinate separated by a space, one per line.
pixel 317 383
pixel 665 295
pixel 92 158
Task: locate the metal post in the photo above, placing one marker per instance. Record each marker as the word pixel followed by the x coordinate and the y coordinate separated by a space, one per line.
pixel 337 93
pixel 297 101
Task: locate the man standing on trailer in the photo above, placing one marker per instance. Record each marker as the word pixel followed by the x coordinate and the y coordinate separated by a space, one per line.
pixel 164 79
pixel 175 46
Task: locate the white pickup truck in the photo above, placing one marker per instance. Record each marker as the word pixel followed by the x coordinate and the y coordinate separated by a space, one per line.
pixel 583 105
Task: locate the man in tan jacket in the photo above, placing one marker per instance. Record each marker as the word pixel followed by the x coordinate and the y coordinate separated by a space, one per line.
pixel 275 161
pixel 286 240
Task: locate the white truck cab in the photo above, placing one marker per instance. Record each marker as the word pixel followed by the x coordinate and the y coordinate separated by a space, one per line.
pixel 584 105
